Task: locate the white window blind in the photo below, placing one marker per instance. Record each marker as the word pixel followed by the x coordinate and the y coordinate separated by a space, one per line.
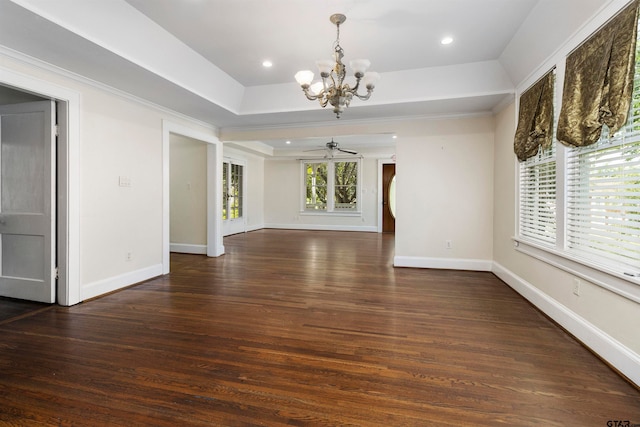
pixel 603 193
pixel 538 197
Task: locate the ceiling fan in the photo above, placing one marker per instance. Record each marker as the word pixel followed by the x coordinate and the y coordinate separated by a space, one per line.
pixel 332 147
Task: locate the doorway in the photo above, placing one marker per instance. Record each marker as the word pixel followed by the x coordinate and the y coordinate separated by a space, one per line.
pixel 214 246
pixel 388 198
pixel 29 196
pixel 188 195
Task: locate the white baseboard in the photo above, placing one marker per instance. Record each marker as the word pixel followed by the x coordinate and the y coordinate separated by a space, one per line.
pixel 254 227
pixel 185 248
pixel 324 227
pixel 612 351
pixel 101 287
pixel 443 263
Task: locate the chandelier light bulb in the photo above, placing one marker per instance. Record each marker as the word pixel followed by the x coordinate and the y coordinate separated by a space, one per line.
pixel 325 66
pixel 304 77
pixel 369 80
pixel 359 66
pixel 316 88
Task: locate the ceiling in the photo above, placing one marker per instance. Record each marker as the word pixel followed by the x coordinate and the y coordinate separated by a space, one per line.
pixel 395 35
pixel 203 58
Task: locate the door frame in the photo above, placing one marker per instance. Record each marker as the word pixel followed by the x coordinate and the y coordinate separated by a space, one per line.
pixel 214 190
pixel 380 188
pixel 68 178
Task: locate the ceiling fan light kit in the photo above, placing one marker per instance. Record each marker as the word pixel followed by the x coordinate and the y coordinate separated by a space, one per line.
pixel 332 89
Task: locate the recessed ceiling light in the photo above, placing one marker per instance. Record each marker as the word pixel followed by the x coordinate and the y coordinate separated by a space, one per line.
pixel 267 64
pixel 446 40
pixel 288 142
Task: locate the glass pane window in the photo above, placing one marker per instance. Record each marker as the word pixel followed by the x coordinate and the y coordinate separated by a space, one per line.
pixel 225 191
pixel 235 192
pixel 345 185
pixel 331 185
pixel 316 186
pixel 232 190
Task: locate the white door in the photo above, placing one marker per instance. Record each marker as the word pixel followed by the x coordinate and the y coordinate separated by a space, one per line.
pixel 27 201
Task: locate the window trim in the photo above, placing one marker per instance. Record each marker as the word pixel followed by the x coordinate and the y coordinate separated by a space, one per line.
pixel 330 211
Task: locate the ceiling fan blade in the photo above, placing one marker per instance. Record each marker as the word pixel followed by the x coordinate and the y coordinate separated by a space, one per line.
pixel 346 151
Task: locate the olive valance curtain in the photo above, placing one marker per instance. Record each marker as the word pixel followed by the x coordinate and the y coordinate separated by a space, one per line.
pixel 598 81
pixel 535 119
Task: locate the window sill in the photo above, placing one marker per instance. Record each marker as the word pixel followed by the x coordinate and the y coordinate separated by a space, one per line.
pixel 603 276
pixel 320 213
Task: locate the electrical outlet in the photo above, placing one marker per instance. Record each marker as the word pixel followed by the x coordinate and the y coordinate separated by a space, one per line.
pixel 448 244
pixel 128 256
pixel 576 287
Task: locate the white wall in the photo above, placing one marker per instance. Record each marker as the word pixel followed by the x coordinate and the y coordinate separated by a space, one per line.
pixel 119 136
pixel 283 195
pixel 188 195
pixel 444 193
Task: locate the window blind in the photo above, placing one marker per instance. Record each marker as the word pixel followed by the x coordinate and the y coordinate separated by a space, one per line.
pixel 537 219
pixel 603 193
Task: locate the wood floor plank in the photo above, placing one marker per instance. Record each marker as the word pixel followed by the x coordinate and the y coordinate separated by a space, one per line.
pixel 304 328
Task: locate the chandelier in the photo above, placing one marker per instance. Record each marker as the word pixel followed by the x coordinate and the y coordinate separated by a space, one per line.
pixel 332 89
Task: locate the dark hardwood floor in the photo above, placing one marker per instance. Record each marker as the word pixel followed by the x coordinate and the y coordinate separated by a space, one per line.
pixel 304 328
pixel 11 309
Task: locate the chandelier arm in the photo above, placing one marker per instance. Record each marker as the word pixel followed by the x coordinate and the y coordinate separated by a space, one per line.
pixel 309 95
pixel 355 88
pixel 364 97
pixel 325 83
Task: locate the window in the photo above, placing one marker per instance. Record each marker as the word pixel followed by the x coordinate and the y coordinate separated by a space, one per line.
pixel 232 188
pixel 603 194
pixel 331 185
pixel 346 186
pixel 316 186
pixel 579 207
